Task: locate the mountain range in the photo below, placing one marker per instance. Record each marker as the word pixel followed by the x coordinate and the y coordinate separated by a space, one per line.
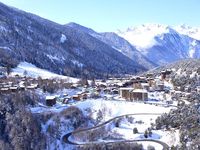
pixel 164 44
pixel 57 48
pixel 75 50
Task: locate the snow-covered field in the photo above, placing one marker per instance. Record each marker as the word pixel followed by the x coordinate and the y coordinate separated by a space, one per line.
pixel 33 71
pixel 118 108
pixel 111 109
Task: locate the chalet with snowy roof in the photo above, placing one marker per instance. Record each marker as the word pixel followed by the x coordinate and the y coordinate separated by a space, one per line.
pixel 50 100
pixel 132 94
pixel 125 92
pixel 21 87
pixel 76 97
pixel 139 95
pixel 13 88
pixel 4 90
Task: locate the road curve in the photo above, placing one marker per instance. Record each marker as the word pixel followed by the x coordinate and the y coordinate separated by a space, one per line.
pixel 65 138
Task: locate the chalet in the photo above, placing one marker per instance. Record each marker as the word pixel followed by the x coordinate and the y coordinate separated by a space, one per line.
pixel 4 90
pixel 22 87
pixel 139 95
pixel 50 100
pixel 133 94
pixel 125 92
pixel 76 97
pixel 13 89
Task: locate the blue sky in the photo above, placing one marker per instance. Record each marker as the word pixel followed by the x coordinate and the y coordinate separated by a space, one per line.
pixel 110 15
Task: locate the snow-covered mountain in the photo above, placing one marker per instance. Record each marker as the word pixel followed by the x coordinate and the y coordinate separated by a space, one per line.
pixel 193 32
pixel 163 44
pixel 57 48
pixel 142 37
pixel 118 43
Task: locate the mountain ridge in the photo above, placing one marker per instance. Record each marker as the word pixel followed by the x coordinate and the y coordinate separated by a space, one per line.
pixel 116 42
pixel 162 43
pixel 57 48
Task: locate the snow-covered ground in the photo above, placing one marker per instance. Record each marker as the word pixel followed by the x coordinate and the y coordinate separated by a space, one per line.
pixel 33 71
pixel 125 130
pixel 116 108
pixel 111 109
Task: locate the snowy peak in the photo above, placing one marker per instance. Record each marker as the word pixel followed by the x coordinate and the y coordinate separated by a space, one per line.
pixel 163 44
pixel 193 32
pixel 143 36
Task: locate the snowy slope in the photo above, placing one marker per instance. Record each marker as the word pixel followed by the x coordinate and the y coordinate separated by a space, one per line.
pixel 31 70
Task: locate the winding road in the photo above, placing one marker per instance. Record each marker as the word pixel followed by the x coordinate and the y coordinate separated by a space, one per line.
pixel 66 139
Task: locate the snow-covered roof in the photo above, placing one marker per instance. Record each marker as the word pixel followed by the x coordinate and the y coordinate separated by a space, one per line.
pixel 13 88
pixel 50 97
pixel 35 72
pixel 127 88
pixel 139 91
pixel 4 89
pixel 145 84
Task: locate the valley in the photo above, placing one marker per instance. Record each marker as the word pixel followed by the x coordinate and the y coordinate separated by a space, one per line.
pixel 66 86
pixel 79 113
